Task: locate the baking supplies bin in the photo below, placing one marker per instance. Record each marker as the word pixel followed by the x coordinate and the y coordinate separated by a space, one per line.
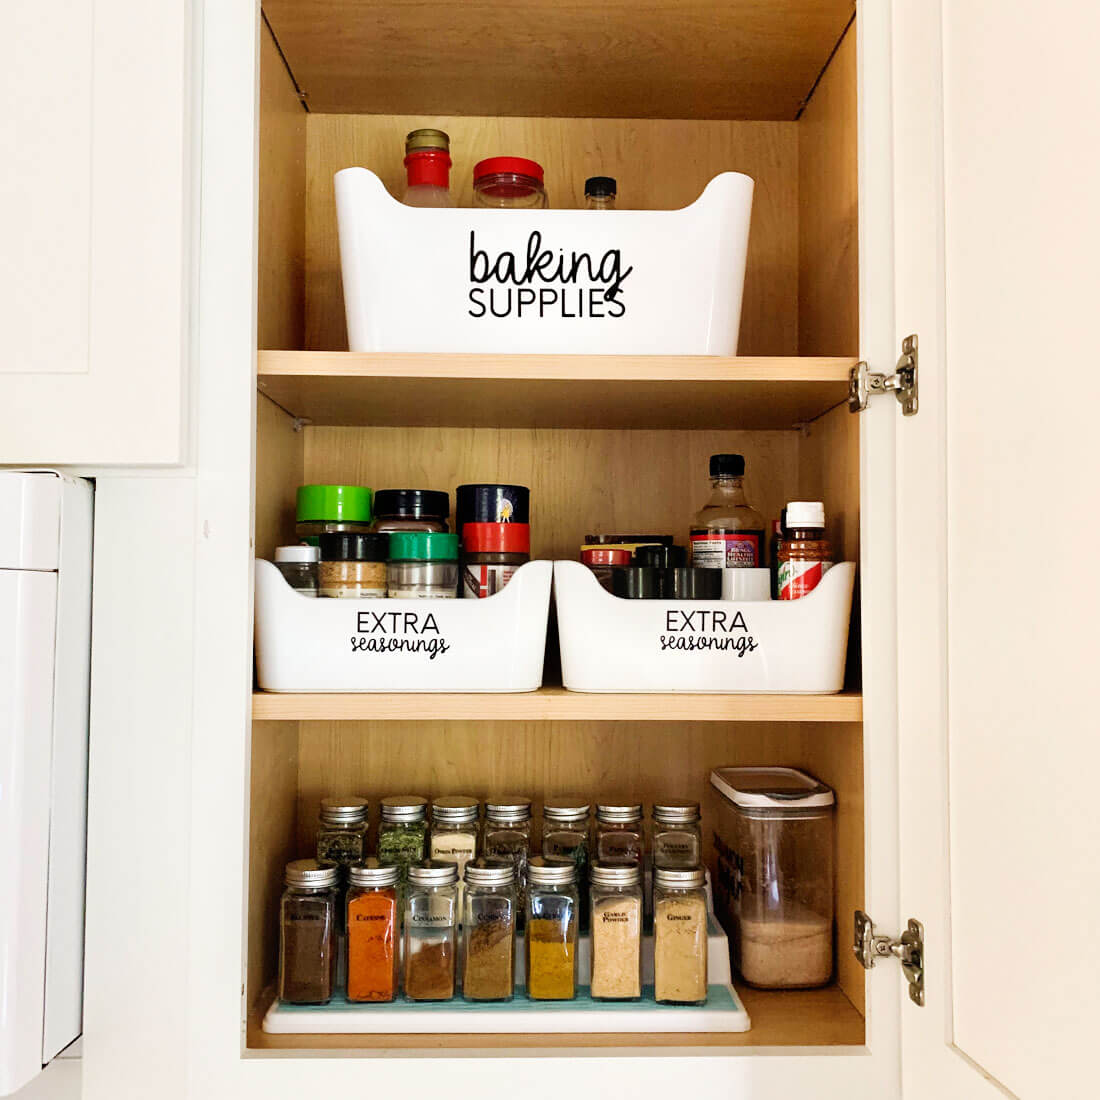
pixel 402 645
pixel 774 888
pixel 622 282
pixel 610 644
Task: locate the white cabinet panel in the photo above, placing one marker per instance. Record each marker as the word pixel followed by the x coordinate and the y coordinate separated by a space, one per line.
pixel 94 213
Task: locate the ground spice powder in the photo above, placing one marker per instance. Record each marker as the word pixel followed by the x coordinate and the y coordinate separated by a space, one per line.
pixel 551 958
pixel 617 948
pixel 372 946
pixel 680 950
pixel 489 973
pixel 430 971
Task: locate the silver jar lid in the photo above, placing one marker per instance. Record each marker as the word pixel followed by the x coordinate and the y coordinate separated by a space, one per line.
pixel 490 872
pixel 565 810
pixel 551 872
pixel 680 880
pixel 455 809
pixel 433 873
pixel 619 812
pixel 347 810
pixel 310 873
pixel 512 809
pixel 404 807
pixel 676 812
pixel 614 874
pixel 372 873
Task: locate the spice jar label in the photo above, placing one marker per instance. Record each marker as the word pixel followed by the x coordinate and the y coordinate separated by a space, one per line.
pixel 413 632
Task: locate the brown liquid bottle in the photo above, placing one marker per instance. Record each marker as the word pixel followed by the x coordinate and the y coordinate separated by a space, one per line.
pixel 805 555
pixel 727 533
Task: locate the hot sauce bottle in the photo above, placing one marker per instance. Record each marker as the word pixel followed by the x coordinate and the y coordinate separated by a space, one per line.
pixel 727 533
pixel 805 555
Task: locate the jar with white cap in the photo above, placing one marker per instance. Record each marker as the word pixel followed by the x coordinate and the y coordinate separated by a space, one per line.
pixel 805 555
pixel 298 565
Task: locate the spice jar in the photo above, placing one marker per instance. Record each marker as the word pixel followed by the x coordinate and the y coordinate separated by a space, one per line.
pixel 680 936
pixel 677 835
pixel 298 565
pixel 342 831
pixel 307 933
pixel 603 559
pixel 491 553
pixel 411 510
pixel 773 887
pixel 507 835
pixel 372 931
pixel 661 556
pixel 489 931
pixel 422 565
pixel 402 832
pixel 353 566
pixel 483 502
pixel 509 183
pixel 616 899
pixel 553 920
pixel 454 833
pixel 431 924
pixel 805 555
pixel 620 833
pixel 690 583
pixel 322 509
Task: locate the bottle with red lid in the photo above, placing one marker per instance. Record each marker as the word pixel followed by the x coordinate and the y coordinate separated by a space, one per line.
pixel 509 183
pixel 491 554
pixel 428 169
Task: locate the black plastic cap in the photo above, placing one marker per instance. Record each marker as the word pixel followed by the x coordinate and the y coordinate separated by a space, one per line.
pixel 412 503
pixel 600 187
pixel 727 465
pixel 661 557
pixel 691 584
pixel 615 539
pixel 630 582
pixel 346 546
pixel 484 503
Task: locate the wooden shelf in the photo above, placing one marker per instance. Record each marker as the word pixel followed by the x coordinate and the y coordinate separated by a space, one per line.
pixel 555 704
pixel 553 391
pixel 799 1018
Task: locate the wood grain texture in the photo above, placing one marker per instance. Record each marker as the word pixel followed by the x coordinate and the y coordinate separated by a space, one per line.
pixel 828 228
pixel 663 59
pixel 279 457
pixel 346 388
pixel 659 165
pixel 282 203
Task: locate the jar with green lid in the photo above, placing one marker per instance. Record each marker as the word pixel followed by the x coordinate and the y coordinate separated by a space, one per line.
pixel 403 831
pixel 342 831
pixel 323 509
pixel 422 565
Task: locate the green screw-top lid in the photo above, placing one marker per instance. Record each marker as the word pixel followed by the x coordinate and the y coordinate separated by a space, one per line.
pixel 334 504
pixel 423 546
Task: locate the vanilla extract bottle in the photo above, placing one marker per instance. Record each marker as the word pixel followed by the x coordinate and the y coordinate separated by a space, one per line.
pixel 727 532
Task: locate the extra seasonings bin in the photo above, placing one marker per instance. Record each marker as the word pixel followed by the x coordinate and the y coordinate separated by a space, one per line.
pixel 773 891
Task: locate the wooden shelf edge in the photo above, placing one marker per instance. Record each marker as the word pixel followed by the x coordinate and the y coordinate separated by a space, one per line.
pixel 555 704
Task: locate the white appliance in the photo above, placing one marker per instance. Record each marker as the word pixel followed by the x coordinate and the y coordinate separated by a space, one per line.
pixel 45 633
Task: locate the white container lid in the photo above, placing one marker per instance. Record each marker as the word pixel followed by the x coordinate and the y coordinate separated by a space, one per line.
pixel 301 552
pixel 771 788
pixel 805 513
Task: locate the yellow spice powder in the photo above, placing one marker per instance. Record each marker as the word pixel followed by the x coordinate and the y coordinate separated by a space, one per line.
pixel 680 950
pixel 551 954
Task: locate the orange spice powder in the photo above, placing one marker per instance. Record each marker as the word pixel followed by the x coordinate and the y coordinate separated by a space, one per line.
pixel 372 945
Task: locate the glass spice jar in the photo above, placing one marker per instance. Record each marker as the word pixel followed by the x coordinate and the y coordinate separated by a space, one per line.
pixel 506 835
pixel 403 831
pixel 422 565
pixel 491 554
pixel 454 830
pixel 552 923
pixel 620 832
pixel 324 509
pixel 616 901
pixel 489 931
pixel 342 831
pixel 514 183
pixel 565 833
pixel 677 835
pixel 411 510
pixel 353 566
pixel 431 926
pixel 307 933
pixel 372 924
pixel 298 565
pixel 680 936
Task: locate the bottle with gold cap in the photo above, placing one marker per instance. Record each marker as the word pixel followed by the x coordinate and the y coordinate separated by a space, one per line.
pixel 428 169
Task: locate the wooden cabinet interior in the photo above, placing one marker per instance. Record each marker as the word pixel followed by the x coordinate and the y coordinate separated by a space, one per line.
pixel 800 300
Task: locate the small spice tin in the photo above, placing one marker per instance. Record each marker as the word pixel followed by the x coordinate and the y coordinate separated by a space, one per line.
pixel 602 560
pixel 486 503
pixel 353 566
pixel 325 508
pixel 491 554
pixel 422 565
pixel 636 583
pixel 411 510
pixel 688 583
pixel 298 565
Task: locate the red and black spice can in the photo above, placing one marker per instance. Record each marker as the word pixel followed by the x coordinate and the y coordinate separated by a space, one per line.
pixel 491 553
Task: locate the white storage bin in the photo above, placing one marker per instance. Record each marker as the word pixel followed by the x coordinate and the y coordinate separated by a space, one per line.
pixel 490 645
pixel 438 280
pixel 612 644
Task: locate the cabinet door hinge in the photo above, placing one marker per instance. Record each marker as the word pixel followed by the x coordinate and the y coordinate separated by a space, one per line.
pixel 863 383
pixel 908 949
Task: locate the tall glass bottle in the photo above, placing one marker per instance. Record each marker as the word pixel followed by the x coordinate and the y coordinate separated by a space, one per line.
pixel 727 533
pixel 428 169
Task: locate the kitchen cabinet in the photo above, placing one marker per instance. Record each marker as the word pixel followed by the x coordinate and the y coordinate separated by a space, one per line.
pixel 880 212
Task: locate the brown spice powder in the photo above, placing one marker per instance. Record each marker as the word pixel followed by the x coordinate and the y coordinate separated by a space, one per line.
pixel 430 972
pixel 489 973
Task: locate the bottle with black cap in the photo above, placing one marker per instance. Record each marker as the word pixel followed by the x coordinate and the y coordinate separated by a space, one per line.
pixel 727 532
pixel 599 193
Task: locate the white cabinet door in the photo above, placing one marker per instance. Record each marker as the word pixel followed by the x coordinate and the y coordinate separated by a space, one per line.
pixel 94 218
pixel 998 235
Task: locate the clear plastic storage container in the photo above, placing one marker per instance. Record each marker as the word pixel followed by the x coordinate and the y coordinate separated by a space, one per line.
pixel 774 888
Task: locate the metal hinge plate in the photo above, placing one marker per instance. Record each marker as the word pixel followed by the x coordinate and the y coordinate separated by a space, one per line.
pixel 863 383
pixel 908 949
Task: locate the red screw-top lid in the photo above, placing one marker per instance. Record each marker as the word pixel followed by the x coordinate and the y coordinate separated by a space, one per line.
pixel 597 555
pixel 520 166
pixel 428 166
pixel 496 538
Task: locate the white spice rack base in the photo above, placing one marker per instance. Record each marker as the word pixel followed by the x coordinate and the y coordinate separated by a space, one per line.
pixel 313 644
pixel 610 644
